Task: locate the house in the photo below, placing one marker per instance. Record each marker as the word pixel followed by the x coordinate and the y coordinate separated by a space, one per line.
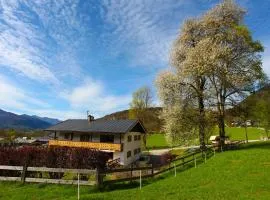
pixel 43 140
pixel 24 140
pixel 121 138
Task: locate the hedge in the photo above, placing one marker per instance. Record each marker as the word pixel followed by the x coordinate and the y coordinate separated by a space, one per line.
pixel 54 157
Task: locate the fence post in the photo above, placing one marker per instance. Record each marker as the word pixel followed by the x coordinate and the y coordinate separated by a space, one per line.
pixel 140 179
pixel 174 170
pixel 78 186
pixel 24 173
pixel 214 152
pixel 23 176
pixel 152 170
pixel 204 157
pixel 99 178
pixel 195 162
pixel 131 173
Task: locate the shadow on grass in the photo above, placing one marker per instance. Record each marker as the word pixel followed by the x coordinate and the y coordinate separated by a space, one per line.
pixel 256 145
pixel 130 184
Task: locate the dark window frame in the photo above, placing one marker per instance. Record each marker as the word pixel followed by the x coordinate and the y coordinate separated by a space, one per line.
pixel 135 137
pixel 135 151
pixel 66 136
pixel 129 139
pixel 128 154
pixel 139 137
pixel 85 138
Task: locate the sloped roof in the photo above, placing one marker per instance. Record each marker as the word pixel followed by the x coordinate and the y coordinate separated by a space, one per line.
pixel 98 126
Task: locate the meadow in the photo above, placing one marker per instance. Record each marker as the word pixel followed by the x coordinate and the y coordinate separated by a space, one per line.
pixel 238 174
pixel 237 133
pixel 155 141
pixel 158 140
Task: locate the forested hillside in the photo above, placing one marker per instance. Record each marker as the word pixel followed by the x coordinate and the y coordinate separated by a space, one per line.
pixel 152 122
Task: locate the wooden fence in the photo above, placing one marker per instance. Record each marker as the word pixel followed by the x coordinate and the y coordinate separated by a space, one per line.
pixel 147 172
pixel 105 177
pixel 24 170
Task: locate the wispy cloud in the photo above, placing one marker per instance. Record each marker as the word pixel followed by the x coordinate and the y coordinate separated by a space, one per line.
pixel 13 97
pixel 146 26
pixel 39 39
pixel 21 44
pixel 93 96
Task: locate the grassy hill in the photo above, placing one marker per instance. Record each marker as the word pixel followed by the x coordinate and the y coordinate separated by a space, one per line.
pixel 239 174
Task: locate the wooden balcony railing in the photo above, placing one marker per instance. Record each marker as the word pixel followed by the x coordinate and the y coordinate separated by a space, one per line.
pixel 90 145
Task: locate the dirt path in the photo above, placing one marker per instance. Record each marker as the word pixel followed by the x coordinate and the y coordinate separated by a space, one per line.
pixel 162 151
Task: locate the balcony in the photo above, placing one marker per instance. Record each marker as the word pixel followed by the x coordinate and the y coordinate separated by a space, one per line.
pixel 91 145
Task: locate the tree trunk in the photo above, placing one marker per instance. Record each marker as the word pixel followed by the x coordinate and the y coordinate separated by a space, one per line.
pixel 201 124
pixel 221 125
pixel 246 133
pixel 221 120
pixel 201 115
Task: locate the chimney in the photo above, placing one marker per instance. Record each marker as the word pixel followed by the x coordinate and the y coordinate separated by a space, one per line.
pixel 90 118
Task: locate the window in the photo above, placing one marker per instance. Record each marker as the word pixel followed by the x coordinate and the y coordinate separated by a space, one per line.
pixel 128 154
pixel 84 138
pixel 135 137
pixel 71 136
pixel 66 136
pixel 129 138
pixel 135 151
pixel 139 137
pixel 107 138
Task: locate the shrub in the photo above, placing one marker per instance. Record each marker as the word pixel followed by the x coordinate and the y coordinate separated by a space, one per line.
pixel 166 158
pixel 54 157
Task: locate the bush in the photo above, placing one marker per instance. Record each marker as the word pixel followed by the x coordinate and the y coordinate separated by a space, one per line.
pixel 166 158
pixel 54 157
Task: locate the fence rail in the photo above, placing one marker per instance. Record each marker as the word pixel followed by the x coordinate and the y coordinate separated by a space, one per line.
pixel 45 169
pixel 24 170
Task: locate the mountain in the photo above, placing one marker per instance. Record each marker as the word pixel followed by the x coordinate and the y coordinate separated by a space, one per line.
pixel 51 121
pixel 11 120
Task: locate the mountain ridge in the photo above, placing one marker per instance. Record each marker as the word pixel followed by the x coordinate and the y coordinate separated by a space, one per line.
pixel 24 121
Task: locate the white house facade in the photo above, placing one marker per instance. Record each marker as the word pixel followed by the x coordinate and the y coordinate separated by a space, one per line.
pixel 122 139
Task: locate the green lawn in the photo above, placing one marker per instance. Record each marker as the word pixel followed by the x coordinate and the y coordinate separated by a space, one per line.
pixel 239 174
pixel 157 140
pixel 236 133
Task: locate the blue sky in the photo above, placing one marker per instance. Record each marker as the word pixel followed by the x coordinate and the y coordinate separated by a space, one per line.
pixel 60 58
